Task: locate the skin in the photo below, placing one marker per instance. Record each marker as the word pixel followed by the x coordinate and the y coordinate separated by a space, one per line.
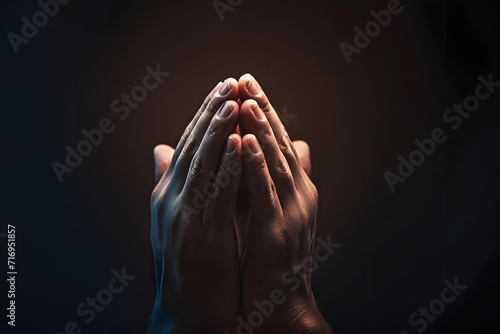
pixel 214 266
pixel 194 239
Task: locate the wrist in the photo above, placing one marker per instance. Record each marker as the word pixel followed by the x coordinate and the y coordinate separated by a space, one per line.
pixel 166 320
pixel 163 320
pixel 300 318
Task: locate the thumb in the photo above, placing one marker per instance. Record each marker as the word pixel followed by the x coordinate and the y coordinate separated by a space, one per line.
pixel 304 155
pixel 163 155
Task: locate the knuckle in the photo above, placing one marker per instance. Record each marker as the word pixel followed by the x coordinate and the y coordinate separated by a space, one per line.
pixel 209 110
pixel 266 134
pixel 284 144
pixel 186 133
pixel 225 173
pixel 196 167
pixel 267 108
pixel 189 148
pixel 281 166
pixel 269 192
pixel 185 156
pixel 259 164
pixel 286 149
pixel 213 129
pixel 158 202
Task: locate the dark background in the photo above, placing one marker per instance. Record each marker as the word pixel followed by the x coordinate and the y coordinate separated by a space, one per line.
pixel 396 248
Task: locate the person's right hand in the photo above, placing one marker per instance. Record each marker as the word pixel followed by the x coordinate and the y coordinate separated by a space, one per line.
pixel 192 231
pixel 282 227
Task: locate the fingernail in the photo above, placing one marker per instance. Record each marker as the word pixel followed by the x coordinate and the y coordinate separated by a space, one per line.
pixel 224 89
pixel 252 87
pixel 253 145
pixel 231 145
pixel 259 114
pixel 217 86
pixel 225 111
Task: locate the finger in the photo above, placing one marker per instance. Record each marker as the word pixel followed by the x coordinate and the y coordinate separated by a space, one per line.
pixel 193 122
pixel 255 122
pixel 262 196
pixel 304 155
pixel 163 156
pixel 185 135
pixel 229 91
pixel 205 162
pixel 249 88
pixel 222 205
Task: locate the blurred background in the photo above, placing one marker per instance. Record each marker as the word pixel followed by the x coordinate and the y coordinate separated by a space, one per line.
pixel 397 248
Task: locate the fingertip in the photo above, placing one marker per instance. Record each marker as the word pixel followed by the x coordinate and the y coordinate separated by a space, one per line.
pixel 246 110
pixel 234 105
pixel 245 81
pixel 236 137
pixel 250 145
pixel 249 104
pixel 251 110
pixel 245 78
pixel 229 89
pixel 247 138
pixel 233 144
pixel 228 109
pixel 250 89
pixel 231 80
pixel 219 85
pixel 214 90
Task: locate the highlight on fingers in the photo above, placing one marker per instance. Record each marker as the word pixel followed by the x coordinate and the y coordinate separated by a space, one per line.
pixel 251 145
pixel 204 163
pixel 251 90
pixel 191 125
pixel 250 87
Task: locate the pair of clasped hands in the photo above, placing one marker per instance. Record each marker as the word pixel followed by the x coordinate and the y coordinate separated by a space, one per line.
pixel 233 211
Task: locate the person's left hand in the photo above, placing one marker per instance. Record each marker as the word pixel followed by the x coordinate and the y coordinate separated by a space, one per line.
pixel 192 231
